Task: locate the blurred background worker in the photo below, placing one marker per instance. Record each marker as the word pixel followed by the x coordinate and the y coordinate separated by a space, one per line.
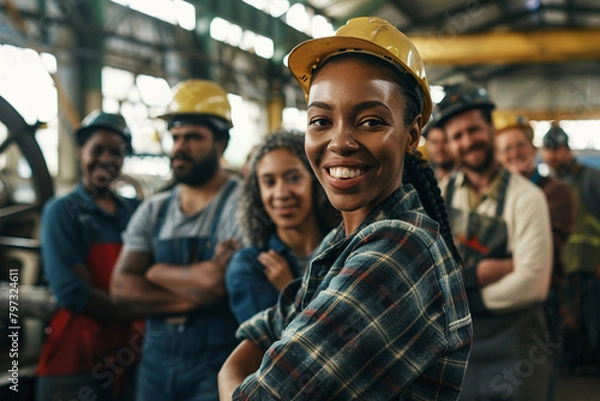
pixel 177 245
pixel 81 237
pixel 284 214
pixel 581 255
pixel 516 152
pixel 436 147
pixel 501 226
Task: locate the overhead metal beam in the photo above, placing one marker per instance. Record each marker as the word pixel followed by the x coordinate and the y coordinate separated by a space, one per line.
pixel 317 10
pixel 510 47
pixel 450 17
pixel 405 9
pixel 367 8
pixel 509 19
pixel 248 17
pixel 555 114
pixel 571 8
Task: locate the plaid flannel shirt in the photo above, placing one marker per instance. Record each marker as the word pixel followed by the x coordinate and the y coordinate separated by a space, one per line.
pixel 379 315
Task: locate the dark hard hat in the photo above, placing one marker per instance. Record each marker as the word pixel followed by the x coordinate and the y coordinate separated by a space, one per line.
pixel 99 120
pixel 555 138
pixel 462 97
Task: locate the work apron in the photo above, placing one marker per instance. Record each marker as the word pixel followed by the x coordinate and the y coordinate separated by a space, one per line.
pixel 80 350
pixel 509 358
pixel 182 355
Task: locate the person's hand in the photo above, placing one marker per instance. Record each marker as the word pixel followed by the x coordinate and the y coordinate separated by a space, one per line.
pixel 277 270
pixel 491 270
pixel 224 250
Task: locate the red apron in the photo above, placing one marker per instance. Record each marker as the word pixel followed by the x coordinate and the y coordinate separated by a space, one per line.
pixel 78 344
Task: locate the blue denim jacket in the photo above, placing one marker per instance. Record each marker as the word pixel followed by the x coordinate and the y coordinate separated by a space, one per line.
pixel 248 288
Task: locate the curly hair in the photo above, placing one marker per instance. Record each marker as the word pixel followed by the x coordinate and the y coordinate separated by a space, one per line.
pixel 255 223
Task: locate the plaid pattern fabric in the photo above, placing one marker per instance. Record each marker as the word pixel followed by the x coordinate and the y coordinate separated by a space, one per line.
pixel 379 315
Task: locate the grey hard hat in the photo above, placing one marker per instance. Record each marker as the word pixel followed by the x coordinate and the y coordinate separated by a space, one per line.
pixel 462 97
pixel 97 120
pixel 555 138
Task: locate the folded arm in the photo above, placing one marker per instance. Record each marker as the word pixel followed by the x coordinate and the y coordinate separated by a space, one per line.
pixel 368 334
pixel 130 287
pixel 531 245
pixel 201 283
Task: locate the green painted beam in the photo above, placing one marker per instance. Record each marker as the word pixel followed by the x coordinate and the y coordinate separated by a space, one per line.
pixel 88 18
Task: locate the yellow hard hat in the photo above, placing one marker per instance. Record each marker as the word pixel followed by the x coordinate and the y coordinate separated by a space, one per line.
pixel 369 35
pixel 201 97
pixel 504 121
pixel 423 150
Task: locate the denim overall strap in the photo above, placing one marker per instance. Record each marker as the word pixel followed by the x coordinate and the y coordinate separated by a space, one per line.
pixel 231 185
pixel 450 191
pixel 162 213
pixel 184 358
pixel 502 193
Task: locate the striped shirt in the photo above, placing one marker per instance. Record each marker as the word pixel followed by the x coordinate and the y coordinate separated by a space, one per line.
pixel 379 315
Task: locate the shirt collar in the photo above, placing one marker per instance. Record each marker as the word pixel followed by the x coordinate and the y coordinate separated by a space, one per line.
pixel 274 243
pixel 492 191
pixel 403 199
pixel 88 203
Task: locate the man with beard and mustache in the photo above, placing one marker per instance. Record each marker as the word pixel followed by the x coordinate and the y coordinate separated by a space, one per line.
pixel 501 226
pixel 176 248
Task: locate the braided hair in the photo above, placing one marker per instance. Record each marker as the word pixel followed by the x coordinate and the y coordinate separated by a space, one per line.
pixel 418 173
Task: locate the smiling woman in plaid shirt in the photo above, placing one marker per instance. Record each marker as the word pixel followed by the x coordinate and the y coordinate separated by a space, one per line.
pixel 381 313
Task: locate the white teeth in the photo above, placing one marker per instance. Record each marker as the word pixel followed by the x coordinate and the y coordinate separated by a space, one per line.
pixel 344 172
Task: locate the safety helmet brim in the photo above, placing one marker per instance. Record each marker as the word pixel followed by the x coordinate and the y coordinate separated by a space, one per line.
pixel 307 56
pixel 462 97
pixel 222 122
pixel 98 120
pixel 460 108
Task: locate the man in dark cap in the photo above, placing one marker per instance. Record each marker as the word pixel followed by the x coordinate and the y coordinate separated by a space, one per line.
pixel 556 151
pixel 581 255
